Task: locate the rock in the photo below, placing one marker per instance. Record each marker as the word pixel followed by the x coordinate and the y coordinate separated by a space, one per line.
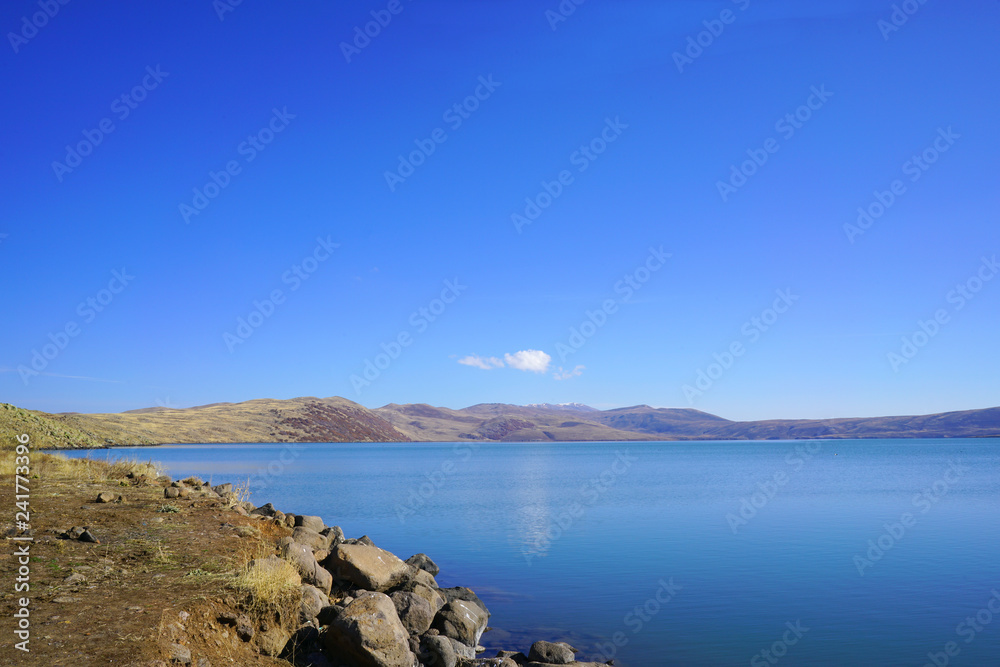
pixel 75 578
pixel 290 520
pixel 328 613
pixel 271 640
pixel 180 654
pixel 121 499
pixel 424 577
pixel 309 537
pixel 365 540
pixel 424 562
pixel 223 489
pixel 313 600
pixel 439 651
pixel 334 534
pixel 553 653
pixel 244 629
pixel 463 593
pixel 74 533
pixel 228 618
pixel 414 612
pixel 87 536
pixel 105 497
pixel 171 492
pixel 367 567
pixel 203 662
pixel 431 595
pixel 462 620
pixel 301 556
pixel 264 510
pixel 310 522
pixel 493 662
pixel 369 632
pixel 461 650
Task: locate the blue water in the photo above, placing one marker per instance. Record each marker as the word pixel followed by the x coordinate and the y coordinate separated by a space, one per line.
pixel 652 550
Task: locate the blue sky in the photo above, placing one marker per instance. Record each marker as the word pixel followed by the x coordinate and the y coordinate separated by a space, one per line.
pixel 694 201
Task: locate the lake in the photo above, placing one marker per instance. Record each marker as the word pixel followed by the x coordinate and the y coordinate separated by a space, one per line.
pixel 836 552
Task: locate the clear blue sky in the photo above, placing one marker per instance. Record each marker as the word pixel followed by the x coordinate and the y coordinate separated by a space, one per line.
pixel 309 129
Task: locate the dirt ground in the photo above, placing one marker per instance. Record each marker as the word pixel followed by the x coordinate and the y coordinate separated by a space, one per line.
pixel 159 576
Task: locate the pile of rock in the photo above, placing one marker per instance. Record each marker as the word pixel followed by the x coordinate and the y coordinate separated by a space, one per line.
pixel 362 605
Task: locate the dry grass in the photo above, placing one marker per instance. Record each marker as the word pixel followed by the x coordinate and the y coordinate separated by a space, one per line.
pixel 57 466
pixel 267 583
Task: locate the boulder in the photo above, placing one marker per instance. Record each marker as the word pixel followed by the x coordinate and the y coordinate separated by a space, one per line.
pixel 223 489
pixel 462 620
pixel 313 601
pixel 301 556
pixel 105 497
pixel 367 567
pixel 438 651
pixel 553 653
pixel 463 593
pixel 310 537
pixel 415 612
pixel 310 522
pixel 424 577
pixel 369 632
pixel 334 534
pixel 171 492
pixel 264 510
pixel 424 562
pixel 431 595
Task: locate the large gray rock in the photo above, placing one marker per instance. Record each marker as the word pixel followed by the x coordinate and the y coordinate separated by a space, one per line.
pixel 415 612
pixel 313 601
pixel 424 562
pixel 310 537
pixel 334 534
pixel 462 620
pixel 462 593
pixel 368 632
pixel 367 567
pixel 438 651
pixel 310 522
pixel 553 653
pixel 431 595
pixel 301 556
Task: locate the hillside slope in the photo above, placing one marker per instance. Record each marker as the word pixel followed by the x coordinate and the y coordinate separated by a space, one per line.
pixel 305 419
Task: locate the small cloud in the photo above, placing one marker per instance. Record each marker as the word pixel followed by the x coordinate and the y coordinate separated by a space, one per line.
pixel 486 363
pixel 565 375
pixel 535 361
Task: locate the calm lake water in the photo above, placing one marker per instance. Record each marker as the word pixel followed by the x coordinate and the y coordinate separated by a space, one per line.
pixel 861 552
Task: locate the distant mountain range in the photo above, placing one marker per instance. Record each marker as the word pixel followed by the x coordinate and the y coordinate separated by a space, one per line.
pixel 335 419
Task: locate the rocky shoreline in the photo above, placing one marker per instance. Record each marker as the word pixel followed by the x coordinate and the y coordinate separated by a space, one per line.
pixel 357 605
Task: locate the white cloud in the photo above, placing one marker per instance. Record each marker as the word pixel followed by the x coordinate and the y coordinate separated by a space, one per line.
pixel 486 363
pixel 535 361
pixel 565 375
